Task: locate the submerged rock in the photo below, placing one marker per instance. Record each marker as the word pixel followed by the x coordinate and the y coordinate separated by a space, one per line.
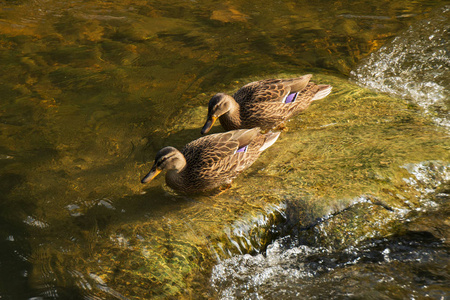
pixel 90 93
pixel 367 250
pixel 352 149
pixel 113 238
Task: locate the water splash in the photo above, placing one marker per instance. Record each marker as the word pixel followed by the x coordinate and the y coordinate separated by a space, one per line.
pixel 251 233
pixel 425 177
pixel 415 65
pixel 290 268
pixel 32 221
pixel 371 270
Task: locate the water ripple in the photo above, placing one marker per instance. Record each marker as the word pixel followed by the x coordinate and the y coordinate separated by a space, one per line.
pixel 415 65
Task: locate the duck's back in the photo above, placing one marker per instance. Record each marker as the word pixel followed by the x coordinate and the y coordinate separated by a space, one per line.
pixel 270 102
pixel 216 159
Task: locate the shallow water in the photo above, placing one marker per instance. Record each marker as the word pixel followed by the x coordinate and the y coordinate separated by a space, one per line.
pixel 339 257
pixel 91 90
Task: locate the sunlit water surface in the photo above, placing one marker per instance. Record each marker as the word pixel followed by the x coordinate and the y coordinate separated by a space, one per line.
pixel 91 90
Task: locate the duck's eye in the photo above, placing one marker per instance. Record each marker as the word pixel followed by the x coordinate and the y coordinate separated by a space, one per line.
pixel 159 162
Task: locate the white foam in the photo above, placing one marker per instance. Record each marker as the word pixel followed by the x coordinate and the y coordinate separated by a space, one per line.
pixel 415 65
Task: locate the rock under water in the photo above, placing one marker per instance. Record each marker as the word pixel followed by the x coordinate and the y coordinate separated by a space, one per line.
pixel 339 257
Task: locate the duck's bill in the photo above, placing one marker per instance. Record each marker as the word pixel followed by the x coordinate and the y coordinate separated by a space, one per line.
pixel 209 123
pixel 152 174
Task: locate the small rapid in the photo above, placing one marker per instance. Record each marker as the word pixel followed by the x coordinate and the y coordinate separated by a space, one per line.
pixel 378 269
pixel 314 263
pixel 414 65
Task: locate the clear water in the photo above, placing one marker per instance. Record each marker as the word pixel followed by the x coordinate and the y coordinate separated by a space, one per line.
pixel 90 90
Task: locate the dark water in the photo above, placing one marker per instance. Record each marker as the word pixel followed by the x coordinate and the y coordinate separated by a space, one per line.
pixel 90 90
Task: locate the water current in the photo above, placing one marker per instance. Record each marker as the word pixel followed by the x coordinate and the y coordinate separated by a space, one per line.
pixel 351 202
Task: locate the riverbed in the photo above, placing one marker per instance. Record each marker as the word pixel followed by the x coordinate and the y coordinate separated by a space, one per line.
pixel 350 202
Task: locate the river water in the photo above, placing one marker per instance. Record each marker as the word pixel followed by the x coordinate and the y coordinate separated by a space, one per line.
pixel 351 202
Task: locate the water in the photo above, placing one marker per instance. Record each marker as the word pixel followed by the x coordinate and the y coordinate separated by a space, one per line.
pixel 91 90
pixel 414 65
pixel 321 262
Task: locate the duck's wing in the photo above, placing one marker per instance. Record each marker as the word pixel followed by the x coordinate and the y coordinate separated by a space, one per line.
pixel 222 155
pixel 270 90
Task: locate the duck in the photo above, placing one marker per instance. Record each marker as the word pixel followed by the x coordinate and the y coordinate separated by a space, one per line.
pixel 267 103
pixel 211 162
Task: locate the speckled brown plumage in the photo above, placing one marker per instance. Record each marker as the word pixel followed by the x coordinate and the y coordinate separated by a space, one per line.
pixel 212 161
pixel 261 103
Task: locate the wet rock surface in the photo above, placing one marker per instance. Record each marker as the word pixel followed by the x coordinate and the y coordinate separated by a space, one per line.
pixel 364 251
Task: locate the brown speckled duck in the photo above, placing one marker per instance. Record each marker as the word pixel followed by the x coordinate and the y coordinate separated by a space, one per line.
pixel 212 161
pixel 266 103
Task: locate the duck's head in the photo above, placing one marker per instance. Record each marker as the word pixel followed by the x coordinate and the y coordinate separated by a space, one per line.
pixel 219 105
pixel 168 158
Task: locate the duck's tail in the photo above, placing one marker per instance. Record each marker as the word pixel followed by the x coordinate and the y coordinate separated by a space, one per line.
pixel 271 138
pixel 324 90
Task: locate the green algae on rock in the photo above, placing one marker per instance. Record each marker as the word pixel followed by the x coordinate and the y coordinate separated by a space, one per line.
pixel 392 251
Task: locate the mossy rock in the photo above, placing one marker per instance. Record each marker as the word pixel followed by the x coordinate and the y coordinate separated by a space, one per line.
pixel 350 146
